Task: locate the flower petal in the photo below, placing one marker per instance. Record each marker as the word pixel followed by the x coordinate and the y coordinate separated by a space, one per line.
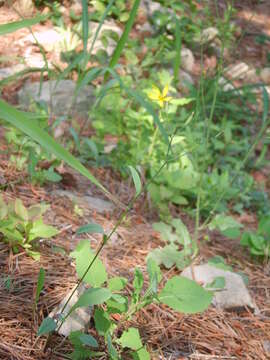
pixel 165 91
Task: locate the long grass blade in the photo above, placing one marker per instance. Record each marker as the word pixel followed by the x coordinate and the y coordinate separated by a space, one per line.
pixel 85 24
pixel 121 44
pixel 17 25
pixel 178 45
pixel 28 126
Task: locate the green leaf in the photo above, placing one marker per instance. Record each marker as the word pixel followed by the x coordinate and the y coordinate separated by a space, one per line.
pixel 48 325
pixel 141 354
pixel 83 255
pixel 40 283
pixel 41 230
pixel 131 339
pixel 111 349
pixel 169 256
pixel 102 321
pixel 89 340
pixel 24 122
pixel 91 297
pixel 137 284
pixel 154 274
pixel 185 295
pixel 136 180
pixel 219 263
pixel 17 25
pixel 117 283
pixel 90 228
pixel 223 223
pixel 20 210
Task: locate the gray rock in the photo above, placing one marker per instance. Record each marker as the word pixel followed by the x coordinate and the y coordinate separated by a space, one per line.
pixel 78 320
pixel 59 96
pixel 266 346
pixel 265 75
pixel 185 80
pixel 187 59
pixel 237 71
pixel 87 202
pixel 234 295
pixel 149 7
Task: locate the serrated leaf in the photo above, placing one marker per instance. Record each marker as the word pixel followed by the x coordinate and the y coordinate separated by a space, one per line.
pixel 136 180
pixel 47 326
pixel 41 230
pixel 131 339
pixel 90 228
pixel 185 295
pixel 83 255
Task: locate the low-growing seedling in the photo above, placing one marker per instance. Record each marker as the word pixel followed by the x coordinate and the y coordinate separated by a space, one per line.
pixel 258 243
pixel 20 226
pixel 175 235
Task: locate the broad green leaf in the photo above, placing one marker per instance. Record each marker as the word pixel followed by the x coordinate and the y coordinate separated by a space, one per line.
pixel 20 210
pixel 182 232
pixel 219 262
pixel 154 274
pixel 117 304
pixel 169 256
pixel 90 228
pixel 136 180
pixel 141 354
pixel 117 283
pixel 131 339
pixel 83 255
pixel 91 297
pixel 223 223
pixel 185 295
pixel 23 121
pixel 41 230
pixel 17 25
pixel 89 340
pixel 48 325
pixel 102 321
pixel 40 283
pixel 137 284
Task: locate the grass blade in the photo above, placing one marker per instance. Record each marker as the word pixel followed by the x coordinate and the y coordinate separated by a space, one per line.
pixel 21 121
pixel 178 45
pixel 85 24
pixel 17 25
pixel 40 284
pixel 120 46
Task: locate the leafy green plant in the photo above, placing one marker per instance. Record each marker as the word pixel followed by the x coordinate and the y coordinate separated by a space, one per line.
pixel 175 234
pixel 258 243
pixel 179 293
pixel 20 227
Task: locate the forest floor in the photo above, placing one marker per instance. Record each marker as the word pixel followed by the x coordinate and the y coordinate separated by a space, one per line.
pixel 215 334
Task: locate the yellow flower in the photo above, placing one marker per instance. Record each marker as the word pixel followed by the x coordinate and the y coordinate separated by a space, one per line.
pixel 160 97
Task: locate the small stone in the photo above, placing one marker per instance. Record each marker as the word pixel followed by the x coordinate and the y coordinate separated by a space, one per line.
pixel 234 296
pixel 59 96
pixel 187 59
pixel 266 346
pixel 208 35
pixel 237 71
pixel 227 86
pixel 78 320
pixel 185 80
pixel 265 75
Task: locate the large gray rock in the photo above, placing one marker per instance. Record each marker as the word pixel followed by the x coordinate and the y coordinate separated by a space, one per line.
pixel 234 295
pixel 49 39
pixel 78 320
pixel 87 202
pixel 58 97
